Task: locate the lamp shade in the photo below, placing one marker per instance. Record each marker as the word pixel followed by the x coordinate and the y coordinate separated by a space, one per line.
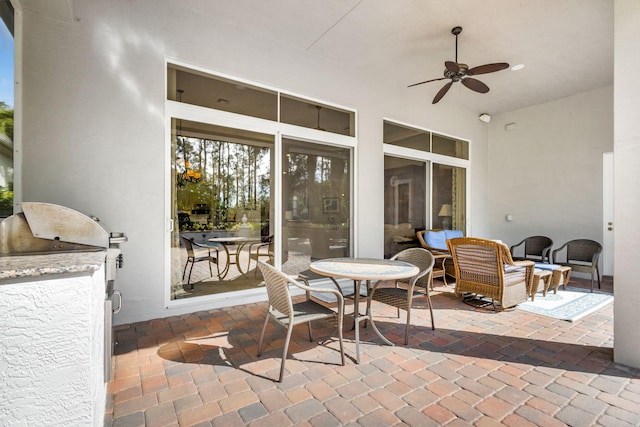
pixel 445 210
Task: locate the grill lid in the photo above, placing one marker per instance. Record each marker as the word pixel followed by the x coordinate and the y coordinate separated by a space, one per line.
pixel 48 228
pixel 54 222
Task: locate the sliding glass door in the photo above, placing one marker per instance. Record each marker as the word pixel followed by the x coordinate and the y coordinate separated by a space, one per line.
pixel 221 202
pixel 316 203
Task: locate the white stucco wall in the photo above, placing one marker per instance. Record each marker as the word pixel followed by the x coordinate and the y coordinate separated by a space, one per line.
pixel 51 351
pixel 626 183
pixel 94 134
pixel 547 172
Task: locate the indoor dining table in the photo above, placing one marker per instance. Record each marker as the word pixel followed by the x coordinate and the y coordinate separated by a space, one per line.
pixel 359 270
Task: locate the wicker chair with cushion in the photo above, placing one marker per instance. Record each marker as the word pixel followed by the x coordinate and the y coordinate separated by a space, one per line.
pixel 435 241
pixel 485 267
pixel 193 258
pixel 536 248
pixel 401 297
pixel 581 255
pixel 283 311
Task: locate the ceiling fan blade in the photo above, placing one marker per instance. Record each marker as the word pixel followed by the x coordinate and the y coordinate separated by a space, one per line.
pixel 475 85
pixel 487 68
pixel 452 66
pixel 427 81
pixel 442 92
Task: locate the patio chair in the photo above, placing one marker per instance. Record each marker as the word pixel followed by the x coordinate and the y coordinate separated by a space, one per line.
pixel 581 255
pixel 262 249
pixel 192 258
pixel 536 248
pixel 283 311
pixel 485 268
pixel 401 297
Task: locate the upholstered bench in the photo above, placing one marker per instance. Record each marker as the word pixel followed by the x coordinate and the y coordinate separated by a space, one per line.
pixel 559 276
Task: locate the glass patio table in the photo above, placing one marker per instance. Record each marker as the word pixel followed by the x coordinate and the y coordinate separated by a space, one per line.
pixel 359 270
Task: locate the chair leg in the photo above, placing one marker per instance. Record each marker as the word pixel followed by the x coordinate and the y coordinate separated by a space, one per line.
pixel 284 352
pixel 184 272
pixel 210 270
pixel 189 279
pixel 340 337
pixel 598 273
pixel 310 333
pixel 406 328
pixel 264 328
pixel 433 326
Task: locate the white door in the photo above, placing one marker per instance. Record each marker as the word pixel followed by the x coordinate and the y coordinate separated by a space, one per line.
pixel 607 214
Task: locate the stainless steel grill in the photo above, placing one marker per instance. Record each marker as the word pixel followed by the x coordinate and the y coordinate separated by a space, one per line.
pixel 45 228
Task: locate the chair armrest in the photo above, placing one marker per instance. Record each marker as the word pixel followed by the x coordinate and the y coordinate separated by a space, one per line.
pixel 308 289
pixel 515 246
pixel 200 245
pixel 555 252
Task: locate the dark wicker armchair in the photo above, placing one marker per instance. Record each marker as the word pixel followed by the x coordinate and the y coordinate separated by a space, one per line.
pixel 485 267
pixel 581 255
pixel 536 248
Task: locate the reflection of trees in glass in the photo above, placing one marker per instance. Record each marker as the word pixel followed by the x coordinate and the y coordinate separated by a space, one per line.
pixel 6 160
pixel 313 177
pixel 231 177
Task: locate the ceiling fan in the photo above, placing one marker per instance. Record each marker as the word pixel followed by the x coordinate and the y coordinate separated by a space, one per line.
pixel 458 72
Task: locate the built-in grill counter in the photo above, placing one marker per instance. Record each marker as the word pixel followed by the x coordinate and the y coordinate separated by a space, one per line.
pixel 57 285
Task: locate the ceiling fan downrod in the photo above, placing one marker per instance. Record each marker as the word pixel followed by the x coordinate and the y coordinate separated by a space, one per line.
pixel 455 31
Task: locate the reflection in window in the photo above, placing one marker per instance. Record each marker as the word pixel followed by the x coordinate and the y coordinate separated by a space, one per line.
pixel 405 136
pixel 6 110
pixel 405 195
pixel 204 90
pixel 316 190
pixel 221 188
pixel 315 116
pixel 449 205
pixel 450 147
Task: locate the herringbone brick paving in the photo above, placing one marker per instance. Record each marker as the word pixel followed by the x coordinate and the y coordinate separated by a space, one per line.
pixel 478 368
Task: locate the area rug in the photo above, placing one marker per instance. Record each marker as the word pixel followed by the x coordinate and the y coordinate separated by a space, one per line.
pixel 571 304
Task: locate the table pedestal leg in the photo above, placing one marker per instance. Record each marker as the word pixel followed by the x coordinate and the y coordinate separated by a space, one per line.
pixel 357 318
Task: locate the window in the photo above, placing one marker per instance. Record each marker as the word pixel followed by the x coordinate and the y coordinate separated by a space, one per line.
pixel 425 184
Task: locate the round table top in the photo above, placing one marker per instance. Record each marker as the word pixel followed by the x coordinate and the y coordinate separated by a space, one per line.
pixel 364 268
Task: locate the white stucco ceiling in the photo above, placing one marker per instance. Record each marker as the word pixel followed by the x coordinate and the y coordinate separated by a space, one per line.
pixel 565 45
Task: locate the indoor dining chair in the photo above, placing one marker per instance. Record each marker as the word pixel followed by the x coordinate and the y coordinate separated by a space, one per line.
pixel 285 312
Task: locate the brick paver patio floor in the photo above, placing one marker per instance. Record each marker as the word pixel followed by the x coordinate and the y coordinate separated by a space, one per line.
pixel 478 367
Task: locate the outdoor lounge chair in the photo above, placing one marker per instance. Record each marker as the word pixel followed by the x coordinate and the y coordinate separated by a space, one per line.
pixel 485 268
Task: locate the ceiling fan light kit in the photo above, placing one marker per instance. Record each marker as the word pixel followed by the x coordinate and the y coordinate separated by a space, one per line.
pixel 459 72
